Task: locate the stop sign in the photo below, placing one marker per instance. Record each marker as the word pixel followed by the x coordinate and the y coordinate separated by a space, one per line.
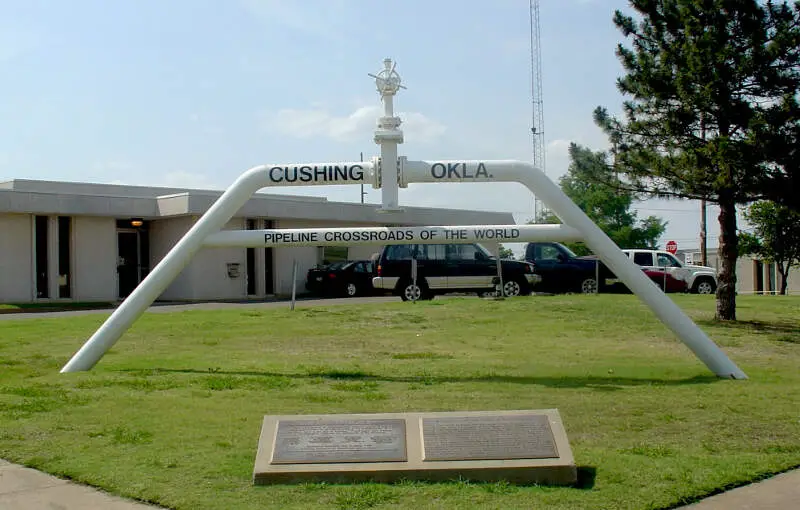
pixel 672 247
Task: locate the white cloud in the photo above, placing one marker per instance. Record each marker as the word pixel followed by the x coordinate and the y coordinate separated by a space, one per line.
pixel 130 174
pixel 356 126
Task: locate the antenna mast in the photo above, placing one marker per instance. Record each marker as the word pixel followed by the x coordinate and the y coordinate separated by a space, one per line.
pixel 537 121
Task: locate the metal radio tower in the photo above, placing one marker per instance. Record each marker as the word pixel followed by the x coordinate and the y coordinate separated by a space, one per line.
pixel 537 121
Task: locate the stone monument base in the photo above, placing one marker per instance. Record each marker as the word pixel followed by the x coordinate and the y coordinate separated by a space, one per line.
pixel 515 446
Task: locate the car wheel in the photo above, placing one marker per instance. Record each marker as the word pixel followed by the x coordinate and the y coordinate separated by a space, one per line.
pixel 409 291
pixel 589 286
pixel 351 290
pixel 704 286
pixel 512 288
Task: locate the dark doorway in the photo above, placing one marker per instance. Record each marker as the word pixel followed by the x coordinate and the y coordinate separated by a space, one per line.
pixel 759 270
pixel 40 227
pixel 64 255
pixel 269 276
pixel 133 255
pixel 251 263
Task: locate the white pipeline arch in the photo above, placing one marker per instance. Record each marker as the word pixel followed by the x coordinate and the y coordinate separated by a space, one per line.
pixel 206 232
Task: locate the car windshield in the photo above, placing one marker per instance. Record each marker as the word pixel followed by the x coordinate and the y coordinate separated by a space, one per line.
pixel 336 266
pixel 483 250
pixel 570 253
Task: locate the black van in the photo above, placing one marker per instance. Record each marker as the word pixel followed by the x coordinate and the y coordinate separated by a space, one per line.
pixel 448 268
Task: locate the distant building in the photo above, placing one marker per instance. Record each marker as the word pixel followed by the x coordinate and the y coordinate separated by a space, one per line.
pixel 67 241
pixel 753 276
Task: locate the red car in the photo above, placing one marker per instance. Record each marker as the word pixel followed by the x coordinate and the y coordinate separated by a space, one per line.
pixel 666 281
pixel 663 279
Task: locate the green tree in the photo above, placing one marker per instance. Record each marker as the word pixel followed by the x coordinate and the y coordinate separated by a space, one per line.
pixel 711 85
pixel 589 183
pixel 775 237
pixel 506 253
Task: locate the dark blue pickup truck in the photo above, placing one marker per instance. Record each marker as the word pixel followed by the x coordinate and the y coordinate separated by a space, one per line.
pixel 561 270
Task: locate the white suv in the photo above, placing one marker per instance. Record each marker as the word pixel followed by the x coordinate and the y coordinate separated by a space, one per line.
pixel 699 279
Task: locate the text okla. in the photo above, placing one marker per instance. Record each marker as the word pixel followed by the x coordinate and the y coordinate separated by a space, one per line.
pixel 393 236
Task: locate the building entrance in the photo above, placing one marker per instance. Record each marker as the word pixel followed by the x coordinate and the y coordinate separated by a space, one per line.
pixel 133 256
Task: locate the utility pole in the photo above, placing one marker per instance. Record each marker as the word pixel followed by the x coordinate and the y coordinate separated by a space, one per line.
pixel 703 246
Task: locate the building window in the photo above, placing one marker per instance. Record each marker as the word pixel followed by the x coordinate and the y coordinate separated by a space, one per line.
pixel 250 254
pixel 331 254
pixel 64 251
pixel 772 277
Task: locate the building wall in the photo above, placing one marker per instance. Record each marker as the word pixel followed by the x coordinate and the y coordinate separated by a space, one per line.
pixel 309 256
pixel 362 252
pixel 209 271
pixel 164 234
pixel 94 258
pixel 747 274
pixel 16 258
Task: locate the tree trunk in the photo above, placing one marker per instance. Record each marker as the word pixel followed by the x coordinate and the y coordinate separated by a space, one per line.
pixel 728 254
pixel 784 271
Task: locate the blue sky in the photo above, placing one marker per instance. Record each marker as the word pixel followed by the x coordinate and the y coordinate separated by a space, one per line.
pixel 194 92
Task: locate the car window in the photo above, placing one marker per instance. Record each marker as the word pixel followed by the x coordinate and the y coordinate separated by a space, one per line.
pixel 368 267
pixel 665 260
pixel 643 258
pixel 359 268
pixel 547 252
pixel 399 252
pixel 430 251
pixel 464 252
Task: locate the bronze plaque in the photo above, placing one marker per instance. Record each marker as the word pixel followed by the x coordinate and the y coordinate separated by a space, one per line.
pixel 330 441
pixel 488 438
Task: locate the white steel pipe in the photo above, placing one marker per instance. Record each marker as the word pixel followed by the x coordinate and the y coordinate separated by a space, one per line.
pixel 460 234
pixel 555 199
pixel 212 221
pixel 413 171
pixel 389 172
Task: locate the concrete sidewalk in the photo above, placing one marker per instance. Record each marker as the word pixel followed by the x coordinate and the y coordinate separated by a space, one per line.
pixel 23 488
pixel 781 492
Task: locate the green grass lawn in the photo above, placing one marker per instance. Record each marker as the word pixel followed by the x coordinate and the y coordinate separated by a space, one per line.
pixel 173 412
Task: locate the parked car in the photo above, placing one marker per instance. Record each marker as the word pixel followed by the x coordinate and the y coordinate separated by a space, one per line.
pixel 449 268
pixel 665 280
pixel 349 278
pixel 699 279
pixel 561 270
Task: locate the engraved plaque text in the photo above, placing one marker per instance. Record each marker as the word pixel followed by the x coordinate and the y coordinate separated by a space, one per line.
pixel 329 441
pixel 488 438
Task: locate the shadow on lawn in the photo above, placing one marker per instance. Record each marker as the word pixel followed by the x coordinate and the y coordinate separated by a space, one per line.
pixel 757 326
pixel 601 383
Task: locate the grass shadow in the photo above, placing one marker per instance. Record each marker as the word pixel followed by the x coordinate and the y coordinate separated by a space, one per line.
pixel 755 325
pixel 600 383
pixel 586 481
pixel 586 477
